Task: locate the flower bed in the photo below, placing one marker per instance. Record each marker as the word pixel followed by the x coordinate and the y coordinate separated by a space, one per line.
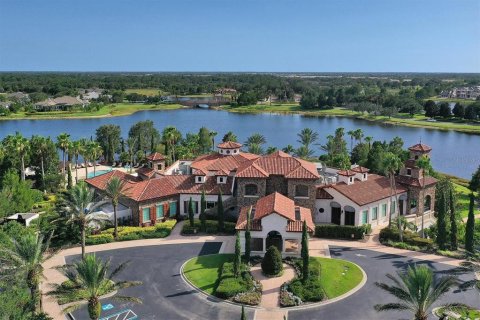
pixel 160 230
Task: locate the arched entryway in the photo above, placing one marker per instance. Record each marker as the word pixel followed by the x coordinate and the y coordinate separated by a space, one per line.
pixel 349 215
pixel 427 204
pixel 336 212
pixel 274 238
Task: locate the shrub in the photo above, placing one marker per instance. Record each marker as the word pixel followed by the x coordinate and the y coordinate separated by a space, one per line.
pixel 211 227
pixel 272 264
pixel 251 298
pixel 229 285
pixel 310 290
pixel 421 242
pixel 99 239
pixel 391 235
pixel 340 232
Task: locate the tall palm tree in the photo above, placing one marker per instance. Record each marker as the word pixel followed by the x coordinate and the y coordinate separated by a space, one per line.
pixel 303 152
pixel 170 137
pixel 391 163
pixel 131 143
pixel 229 136
pixel 77 149
pixel 114 190
pixel 95 152
pixel 289 149
pixel 368 140
pixel 255 142
pixel 19 145
pixel 307 137
pixel 23 260
pixel 358 135
pixel 417 290
pixel 351 133
pixel 63 141
pixel 80 207
pixel 424 164
pixel 39 146
pixel 85 153
pixel 90 277
pixel 213 134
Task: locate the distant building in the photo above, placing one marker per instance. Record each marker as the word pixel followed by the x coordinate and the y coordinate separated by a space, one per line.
pixel 90 94
pixel 61 103
pixel 462 93
pixel 18 96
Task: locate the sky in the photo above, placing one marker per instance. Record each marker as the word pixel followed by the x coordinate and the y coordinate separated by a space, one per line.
pixel 240 35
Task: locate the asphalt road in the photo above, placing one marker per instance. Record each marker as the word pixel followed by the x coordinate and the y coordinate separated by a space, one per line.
pixel 359 306
pixel 164 294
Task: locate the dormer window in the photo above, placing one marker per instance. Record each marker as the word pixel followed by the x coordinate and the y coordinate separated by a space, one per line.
pixel 221 179
pixel 364 176
pixel 200 179
pixel 350 179
pixel 409 172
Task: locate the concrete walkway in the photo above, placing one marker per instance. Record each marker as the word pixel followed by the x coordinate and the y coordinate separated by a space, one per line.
pixel 271 292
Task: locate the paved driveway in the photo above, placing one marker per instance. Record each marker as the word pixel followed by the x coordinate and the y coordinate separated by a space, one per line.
pixel 359 306
pixel 165 295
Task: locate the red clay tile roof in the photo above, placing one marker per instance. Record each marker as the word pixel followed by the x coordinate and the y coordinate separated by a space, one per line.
pixel 415 182
pixel 276 203
pixel 347 173
pixel 214 162
pixel 221 173
pixel 278 164
pixel 322 193
pixel 199 172
pixel 360 169
pixel 363 192
pixel 420 147
pixel 156 156
pixel 278 153
pixel 163 186
pixel 148 172
pixel 229 145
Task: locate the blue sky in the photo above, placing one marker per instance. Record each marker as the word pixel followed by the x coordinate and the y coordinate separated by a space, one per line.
pixel 240 35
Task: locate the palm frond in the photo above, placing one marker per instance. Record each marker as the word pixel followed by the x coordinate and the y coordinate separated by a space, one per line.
pixel 72 307
pixel 127 299
pixel 119 269
pixel 127 284
pixel 391 306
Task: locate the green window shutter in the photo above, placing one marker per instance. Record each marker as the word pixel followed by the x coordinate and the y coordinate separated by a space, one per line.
pixel 146 214
pixel 159 210
pixel 384 210
pixel 173 208
pixel 375 213
pixel 365 216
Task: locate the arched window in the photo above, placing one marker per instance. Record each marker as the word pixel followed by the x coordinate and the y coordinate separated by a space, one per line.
pixel 427 203
pixel 251 190
pixel 301 190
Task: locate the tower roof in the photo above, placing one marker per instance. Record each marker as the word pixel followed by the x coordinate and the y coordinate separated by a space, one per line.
pixel 420 147
pixel 229 145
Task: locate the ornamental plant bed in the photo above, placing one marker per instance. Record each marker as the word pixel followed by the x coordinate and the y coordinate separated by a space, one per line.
pixel 340 232
pixel 211 228
pixel 160 230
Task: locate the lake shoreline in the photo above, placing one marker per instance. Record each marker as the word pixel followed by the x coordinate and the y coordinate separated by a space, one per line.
pixel 337 112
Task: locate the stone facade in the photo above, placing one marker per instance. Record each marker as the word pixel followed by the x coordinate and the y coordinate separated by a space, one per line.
pixel 278 184
pixel 244 200
pixel 307 202
pixel 419 195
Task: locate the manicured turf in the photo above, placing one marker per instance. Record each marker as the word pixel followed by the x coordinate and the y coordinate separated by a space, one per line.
pixel 338 276
pixel 203 271
pixel 150 92
pixel 463 199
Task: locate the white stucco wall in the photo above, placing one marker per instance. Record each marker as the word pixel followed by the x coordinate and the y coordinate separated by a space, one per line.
pixel 272 222
pixel 325 217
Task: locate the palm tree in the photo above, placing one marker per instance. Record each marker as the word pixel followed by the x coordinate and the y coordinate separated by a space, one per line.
pixel 417 290
pixel 255 142
pixel 307 137
pixel 351 133
pixel 85 153
pixel 77 149
pixel 369 140
pixel 358 135
pixel 39 146
pixel 229 136
pixel 213 134
pixel 170 137
pixel 80 208
pixel 19 145
pixel 424 164
pixel 391 163
pixel 63 141
pixel 115 190
pixel 131 143
pixel 95 152
pixel 90 276
pixel 23 260
pixel 303 152
pixel 289 149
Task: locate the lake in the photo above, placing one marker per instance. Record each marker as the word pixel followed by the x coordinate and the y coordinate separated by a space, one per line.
pixel 453 152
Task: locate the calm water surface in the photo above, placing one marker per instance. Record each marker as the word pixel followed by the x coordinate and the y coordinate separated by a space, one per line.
pixel 453 152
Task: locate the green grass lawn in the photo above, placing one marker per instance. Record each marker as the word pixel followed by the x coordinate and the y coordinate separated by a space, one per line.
pixel 117 109
pixel 463 199
pixel 203 271
pixel 150 92
pixel 338 276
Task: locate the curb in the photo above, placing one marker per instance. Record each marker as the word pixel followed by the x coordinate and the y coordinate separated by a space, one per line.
pixel 209 297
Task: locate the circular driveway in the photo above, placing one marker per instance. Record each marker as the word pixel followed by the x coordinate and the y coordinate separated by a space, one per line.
pixel 164 294
pixel 359 306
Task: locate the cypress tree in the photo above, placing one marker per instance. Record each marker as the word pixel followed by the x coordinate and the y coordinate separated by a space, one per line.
pixel 453 223
pixel 470 229
pixel 305 254
pixel 238 256
pixel 190 212
pixel 248 237
pixel 244 317
pixel 203 215
pixel 441 223
pixel 272 264
pixel 220 213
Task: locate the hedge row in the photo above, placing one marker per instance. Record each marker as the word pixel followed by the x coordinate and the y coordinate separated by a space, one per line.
pixel 160 230
pixel 410 238
pixel 229 285
pixel 312 289
pixel 211 227
pixel 340 232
